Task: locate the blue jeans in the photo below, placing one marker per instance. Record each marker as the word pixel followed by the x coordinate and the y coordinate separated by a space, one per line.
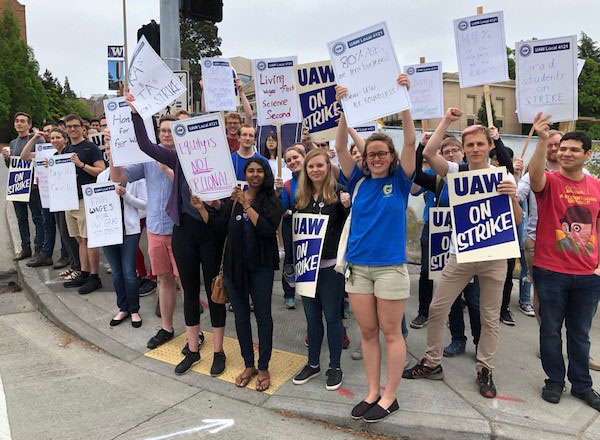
pixel 524 281
pixel 329 296
pixel 35 206
pixel 456 318
pixel 121 258
pixel 49 232
pixel 572 299
pixel 260 289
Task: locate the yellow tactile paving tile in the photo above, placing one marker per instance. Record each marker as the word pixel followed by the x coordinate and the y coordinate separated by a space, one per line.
pixel 282 367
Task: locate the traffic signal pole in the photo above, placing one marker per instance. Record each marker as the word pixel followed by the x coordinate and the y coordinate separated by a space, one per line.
pixel 170 45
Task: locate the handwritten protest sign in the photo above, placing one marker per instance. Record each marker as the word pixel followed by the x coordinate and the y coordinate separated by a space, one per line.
pixel 153 84
pixel 316 91
pixel 123 143
pixel 204 156
pixel 41 174
pixel 20 175
pixel 102 214
pixel 481 49
pixel 483 222
pixel 426 90
pixel 365 63
pixel 276 93
pixel 547 78
pixel 308 235
pixel 440 232
pixel 218 87
pixel 98 138
pixel 62 183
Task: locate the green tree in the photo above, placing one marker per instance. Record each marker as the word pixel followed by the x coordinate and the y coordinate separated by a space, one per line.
pixel 588 48
pixel 589 85
pixel 482 114
pixel 510 54
pixel 67 90
pixel 21 88
pixel 198 39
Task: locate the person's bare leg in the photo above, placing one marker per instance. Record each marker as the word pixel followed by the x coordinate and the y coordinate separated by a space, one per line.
pixel 167 298
pixel 218 334
pixel 192 332
pixel 390 318
pixel 83 254
pixel 93 258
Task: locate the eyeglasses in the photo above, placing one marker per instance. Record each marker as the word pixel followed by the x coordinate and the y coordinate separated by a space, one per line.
pixel 71 127
pixel 321 144
pixel 379 154
pixel 452 151
pixel 165 131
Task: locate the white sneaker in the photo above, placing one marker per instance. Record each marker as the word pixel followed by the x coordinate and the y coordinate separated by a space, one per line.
pixel 526 309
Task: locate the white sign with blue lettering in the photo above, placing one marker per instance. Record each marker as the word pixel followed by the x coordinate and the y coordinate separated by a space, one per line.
pixel 20 178
pixel 546 79
pixel 103 216
pixel 426 90
pixel 308 234
pixel 43 151
pixel 62 184
pixel 481 49
pixel 365 63
pixel 218 85
pixel 440 234
pixel 483 221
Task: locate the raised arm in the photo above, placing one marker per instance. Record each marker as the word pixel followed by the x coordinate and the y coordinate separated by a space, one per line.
pixel 407 157
pixel 422 180
pixel 537 164
pixel 358 141
pixel 245 103
pixel 26 153
pixel 435 161
pixel 341 140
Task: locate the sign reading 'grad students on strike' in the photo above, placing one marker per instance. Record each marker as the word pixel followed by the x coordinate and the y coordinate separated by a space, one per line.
pixel 102 214
pixel 483 222
pixel 153 84
pixel 365 63
pixel 547 78
pixel 204 155
pixel 440 232
pixel 481 49
pixel 218 85
pixel 20 174
pixel 426 91
pixel 308 235
pixel 276 93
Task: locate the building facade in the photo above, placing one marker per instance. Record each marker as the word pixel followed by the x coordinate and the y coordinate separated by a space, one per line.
pixel 19 11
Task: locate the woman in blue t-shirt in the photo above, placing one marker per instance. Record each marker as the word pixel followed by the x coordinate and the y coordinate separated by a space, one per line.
pixel 377 279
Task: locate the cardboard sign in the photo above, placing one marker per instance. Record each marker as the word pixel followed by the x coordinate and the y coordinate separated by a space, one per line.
pixel 151 81
pixel 365 63
pixel 123 143
pixel 41 173
pixel 426 90
pixel 204 156
pixel 440 234
pixel 218 87
pixel 308 232
pixel 98 138
pixel 547 79
pixel 481 49
pixel 276 93
pixel 62 184
pixel 316 90
pixel 483 222
pixel 364 131
pixel 102 214
pixel 44 151
pixel 20 178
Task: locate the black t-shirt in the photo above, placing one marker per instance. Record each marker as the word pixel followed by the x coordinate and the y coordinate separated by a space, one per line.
pixel 88 153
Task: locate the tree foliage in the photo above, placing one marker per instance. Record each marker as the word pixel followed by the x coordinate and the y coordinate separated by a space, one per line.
pixel 61 99
pixel 482 114
pixel 510 54
pixel 589 85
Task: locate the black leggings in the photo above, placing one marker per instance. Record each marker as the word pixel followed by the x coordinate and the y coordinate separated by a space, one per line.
pixel 194 245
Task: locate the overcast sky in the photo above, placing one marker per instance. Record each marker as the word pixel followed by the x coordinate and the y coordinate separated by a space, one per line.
pixel 70 37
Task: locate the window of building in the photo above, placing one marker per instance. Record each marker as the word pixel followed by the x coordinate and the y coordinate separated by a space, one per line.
pixel 499 107
pixel 471 100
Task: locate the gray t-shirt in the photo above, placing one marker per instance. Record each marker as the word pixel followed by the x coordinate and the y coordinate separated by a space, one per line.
pixel 16 145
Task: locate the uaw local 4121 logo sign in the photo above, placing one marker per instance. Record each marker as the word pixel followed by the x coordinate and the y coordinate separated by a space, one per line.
pixel 207 63
pixel 112 106
pixel 88 192
pixel 261 65
pixel 410 71
pixel 463 25
pixel 339 48
pixel 50 162
pixel 525 50
pixel 179 130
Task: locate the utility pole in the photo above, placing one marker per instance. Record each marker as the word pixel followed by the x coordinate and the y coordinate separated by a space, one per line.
pixel 170 45
pixel 124 85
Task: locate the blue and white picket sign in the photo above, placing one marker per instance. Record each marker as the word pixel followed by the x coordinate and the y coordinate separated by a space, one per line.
pixel 440 234
pixel 308 234
pixel 103 216
pixel 483 221
pixel 20 175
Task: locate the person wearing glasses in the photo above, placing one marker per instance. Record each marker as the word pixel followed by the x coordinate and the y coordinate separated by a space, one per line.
pixel 376 275
pixel 270 152
pixel 477 144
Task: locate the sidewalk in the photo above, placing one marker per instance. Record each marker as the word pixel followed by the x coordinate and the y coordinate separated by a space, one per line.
pixel 448 409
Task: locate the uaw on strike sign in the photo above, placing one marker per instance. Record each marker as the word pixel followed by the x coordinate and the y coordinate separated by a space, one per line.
pixel 308 235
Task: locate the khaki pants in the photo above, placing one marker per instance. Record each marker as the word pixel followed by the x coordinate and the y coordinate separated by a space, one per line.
pixel 455 277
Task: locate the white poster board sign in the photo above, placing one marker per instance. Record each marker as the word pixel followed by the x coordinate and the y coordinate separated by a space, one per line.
pixel 44 151
pixel 426 90
pixel 308 234
pixel 481 49
pixel 217 85
pixel 123 143
pixel 546 79
pixel 102 214
pixel 151 81
pixel 483 222
pixel 41 174
pixel 276 92
pixel 62 183
pixel 440 234
pixel 20 178
pixel 204 155
pixel 580 64
pixel 365 63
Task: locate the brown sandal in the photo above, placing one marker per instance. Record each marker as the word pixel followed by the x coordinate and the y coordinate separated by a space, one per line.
pixel 66 273
pixel 244 378
pixel 263 384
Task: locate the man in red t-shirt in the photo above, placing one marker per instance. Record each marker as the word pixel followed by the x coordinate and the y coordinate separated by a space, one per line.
pixel 565 264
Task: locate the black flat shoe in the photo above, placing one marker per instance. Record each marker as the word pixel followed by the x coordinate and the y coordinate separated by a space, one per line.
pixel 136 324
pixel 362 408
pixel 377 413
pixel 115 322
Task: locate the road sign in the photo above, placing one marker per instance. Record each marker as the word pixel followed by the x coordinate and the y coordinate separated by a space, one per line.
pixel 115 52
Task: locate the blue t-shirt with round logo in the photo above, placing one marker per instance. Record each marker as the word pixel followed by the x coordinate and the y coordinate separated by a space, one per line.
pixel 378 228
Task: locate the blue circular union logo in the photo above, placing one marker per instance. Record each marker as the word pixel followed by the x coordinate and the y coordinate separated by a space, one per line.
pixel 179 130
pixel 525 50
pixel 112 106
pixel 410 71
pixel 463 25
pixel 261 65
pixel 88 191
pixel 207 63
pixel 50 162
pixel 339 48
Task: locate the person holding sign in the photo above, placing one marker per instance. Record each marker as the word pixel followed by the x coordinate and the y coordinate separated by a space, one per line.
pixel 477 144
pixel 377 279
pixel 250 260
pixel 319 193
pixel 566 269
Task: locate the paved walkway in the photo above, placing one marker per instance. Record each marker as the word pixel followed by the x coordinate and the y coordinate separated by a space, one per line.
pixel 448 409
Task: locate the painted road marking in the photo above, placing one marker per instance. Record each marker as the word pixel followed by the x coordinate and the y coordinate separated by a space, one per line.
pixel 4 425
pixel 211 425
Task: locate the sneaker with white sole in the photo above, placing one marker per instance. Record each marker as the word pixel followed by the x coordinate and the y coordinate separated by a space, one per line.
pixel 334 379
pixel 307 373
pixel 527 309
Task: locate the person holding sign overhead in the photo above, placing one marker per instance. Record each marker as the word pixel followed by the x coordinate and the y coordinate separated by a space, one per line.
pixel 377 279
pixel 477 144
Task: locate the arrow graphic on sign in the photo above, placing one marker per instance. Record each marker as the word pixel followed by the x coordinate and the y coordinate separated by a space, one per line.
pixel 211 425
